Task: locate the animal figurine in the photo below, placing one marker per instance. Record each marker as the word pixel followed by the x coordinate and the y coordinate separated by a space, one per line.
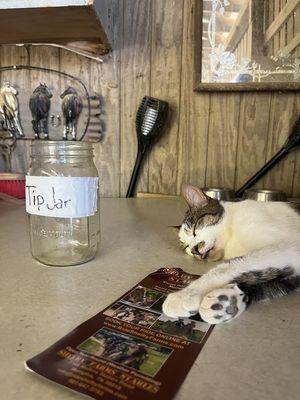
pixel 71 107
pixel 9 109
pixel 39 104
pixel 7 146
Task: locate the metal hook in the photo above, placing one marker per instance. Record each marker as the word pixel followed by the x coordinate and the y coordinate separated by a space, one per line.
pixel 52 120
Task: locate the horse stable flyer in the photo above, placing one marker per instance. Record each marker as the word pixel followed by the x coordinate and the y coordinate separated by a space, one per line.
pixel 131 350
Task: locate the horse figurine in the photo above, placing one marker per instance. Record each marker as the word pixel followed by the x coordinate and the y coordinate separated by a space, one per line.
pixel 71 108
pixel 9 109
pixel 39 104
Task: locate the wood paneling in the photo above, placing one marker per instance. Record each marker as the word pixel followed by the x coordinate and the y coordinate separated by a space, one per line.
pixel 165 83
pixel 222 139
pixel 136 78
pixel 194 113
pixel 283 114
pixel 282 20
pixel 253 135
pixel 296 177
pixel 10 55
pixel 216 139
pixel 43 56
pixel 106 80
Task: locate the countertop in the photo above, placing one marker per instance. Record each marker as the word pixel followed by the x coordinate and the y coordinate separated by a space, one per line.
pixel 257 356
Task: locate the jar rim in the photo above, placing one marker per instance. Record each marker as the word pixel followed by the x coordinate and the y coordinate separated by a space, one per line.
pixel 61 148
pixel 61 143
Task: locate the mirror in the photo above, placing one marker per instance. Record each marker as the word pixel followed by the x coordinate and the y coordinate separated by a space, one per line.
pixel 247 44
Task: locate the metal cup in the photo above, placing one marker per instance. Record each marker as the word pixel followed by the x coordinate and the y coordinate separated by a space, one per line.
pixel 223 194
pixel 265 195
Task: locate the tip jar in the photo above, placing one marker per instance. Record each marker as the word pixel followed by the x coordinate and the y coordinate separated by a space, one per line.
pixel 62 200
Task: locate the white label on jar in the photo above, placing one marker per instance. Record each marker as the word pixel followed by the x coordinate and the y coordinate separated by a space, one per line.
pixel 61 197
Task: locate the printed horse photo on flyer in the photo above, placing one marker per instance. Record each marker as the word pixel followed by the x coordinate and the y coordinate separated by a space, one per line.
pixel 143 356
pixel 182 327
pixel 142 297
pixel 131 315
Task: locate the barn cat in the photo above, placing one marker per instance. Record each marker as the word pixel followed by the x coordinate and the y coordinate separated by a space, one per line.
pixel 260 245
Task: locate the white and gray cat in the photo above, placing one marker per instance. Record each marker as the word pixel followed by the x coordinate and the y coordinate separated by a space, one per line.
pixel 260 246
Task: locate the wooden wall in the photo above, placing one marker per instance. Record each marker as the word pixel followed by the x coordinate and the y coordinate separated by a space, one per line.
pixel 211 139
pixel 283 27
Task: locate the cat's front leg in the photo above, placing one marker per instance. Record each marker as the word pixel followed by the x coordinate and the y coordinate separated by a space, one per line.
pixel 187 301
pixel 183 303
pixel 219 305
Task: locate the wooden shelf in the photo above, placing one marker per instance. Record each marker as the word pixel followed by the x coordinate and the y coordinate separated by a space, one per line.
pixel 73 24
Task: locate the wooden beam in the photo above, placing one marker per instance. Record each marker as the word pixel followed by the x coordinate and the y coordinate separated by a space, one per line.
pixel 288 49
pixel 77 27
pixel 257 28
pixel 239 28
pixel 280 19
pixel 247 87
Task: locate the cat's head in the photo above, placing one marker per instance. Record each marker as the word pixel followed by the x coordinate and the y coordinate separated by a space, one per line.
pixel 200 229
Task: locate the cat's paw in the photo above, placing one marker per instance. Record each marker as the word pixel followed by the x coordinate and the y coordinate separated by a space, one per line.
pixel 222 305
pixel 182 303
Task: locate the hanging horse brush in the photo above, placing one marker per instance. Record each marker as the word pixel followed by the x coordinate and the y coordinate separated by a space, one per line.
pixel 292 143
pixel 151 116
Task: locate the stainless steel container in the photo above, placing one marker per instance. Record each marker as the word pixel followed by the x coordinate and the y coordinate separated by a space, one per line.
pixel 219 193
pixel 265 195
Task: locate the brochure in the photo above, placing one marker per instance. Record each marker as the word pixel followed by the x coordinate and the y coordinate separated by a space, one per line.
pixel 131 350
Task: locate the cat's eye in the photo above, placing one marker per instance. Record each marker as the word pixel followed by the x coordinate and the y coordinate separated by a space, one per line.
pixel 183 244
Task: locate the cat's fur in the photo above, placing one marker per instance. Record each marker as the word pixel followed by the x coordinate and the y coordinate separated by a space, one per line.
pixel 260 245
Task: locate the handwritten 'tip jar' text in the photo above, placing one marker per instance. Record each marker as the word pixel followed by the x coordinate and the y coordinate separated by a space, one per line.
pixel 38 200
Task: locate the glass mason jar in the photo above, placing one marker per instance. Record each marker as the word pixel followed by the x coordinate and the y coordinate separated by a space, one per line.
pixel 62 199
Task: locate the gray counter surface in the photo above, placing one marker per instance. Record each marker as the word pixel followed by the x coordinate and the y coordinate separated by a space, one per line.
pixel 257 356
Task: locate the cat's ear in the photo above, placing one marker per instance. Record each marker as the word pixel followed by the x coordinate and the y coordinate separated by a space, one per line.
pixel 193 196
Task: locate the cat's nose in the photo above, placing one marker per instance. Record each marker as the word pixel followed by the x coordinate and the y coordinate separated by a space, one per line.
pixel 195 250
